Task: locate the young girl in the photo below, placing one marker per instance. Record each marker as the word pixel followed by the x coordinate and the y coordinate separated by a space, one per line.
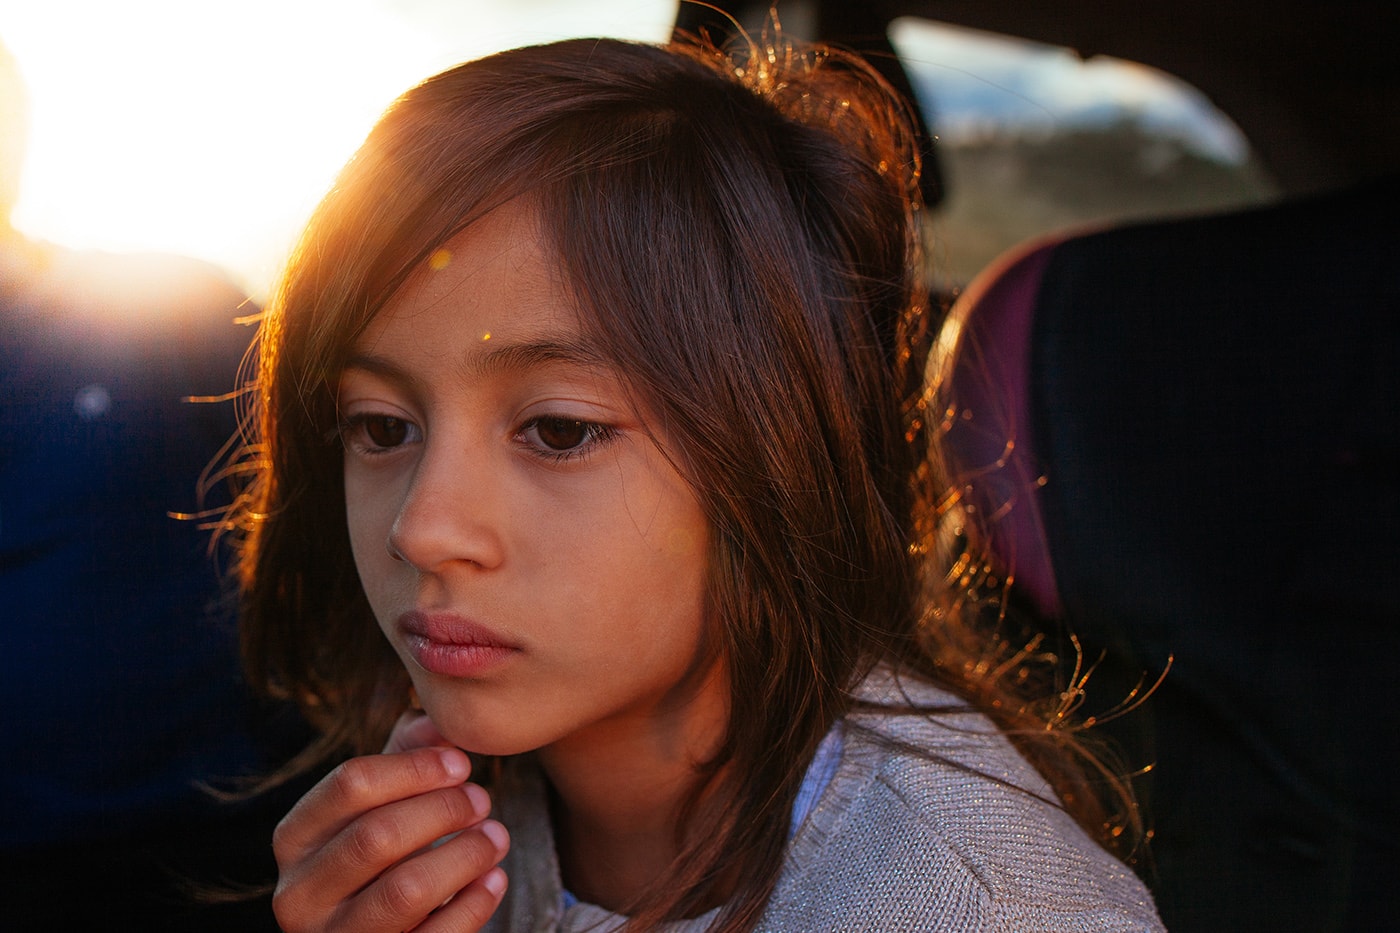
pixel 591 417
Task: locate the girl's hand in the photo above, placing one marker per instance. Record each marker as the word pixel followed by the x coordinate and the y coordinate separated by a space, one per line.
pixel 357 853
pixel 414 730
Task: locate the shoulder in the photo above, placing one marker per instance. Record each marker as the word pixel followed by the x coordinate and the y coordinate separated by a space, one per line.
pixel 934 821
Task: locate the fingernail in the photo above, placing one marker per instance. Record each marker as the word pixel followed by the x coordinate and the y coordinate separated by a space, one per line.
pixel 455 764
pixel 494 881
pixel 497 834
pixel 481 801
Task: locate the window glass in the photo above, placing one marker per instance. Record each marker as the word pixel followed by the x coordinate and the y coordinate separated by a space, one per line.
pixel 1033 139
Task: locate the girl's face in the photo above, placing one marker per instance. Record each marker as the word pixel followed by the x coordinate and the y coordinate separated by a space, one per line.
pixel 527 547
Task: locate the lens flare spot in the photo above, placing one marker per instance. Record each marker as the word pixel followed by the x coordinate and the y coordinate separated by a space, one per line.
pixel 440 259
pixel 680 542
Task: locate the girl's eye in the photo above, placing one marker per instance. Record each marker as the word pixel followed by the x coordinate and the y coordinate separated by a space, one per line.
pixel 377 433
pixel 561 433
pixel 562 438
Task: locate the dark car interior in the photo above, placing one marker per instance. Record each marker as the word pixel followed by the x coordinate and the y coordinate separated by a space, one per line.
pixel 1185 430
pixel 1180 435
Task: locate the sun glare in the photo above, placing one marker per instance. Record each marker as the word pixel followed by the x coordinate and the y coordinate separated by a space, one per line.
pixel 211 130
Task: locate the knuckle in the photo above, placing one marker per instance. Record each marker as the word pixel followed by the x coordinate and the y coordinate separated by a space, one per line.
pixel 281 846
pixel 427 765
pixel 458 808
pixel 284 840
pixel 472 908
pixel 481 849
pixel 287 908
pixel 352 781
pixel 476 909
pixel 371 841
pixel 405 892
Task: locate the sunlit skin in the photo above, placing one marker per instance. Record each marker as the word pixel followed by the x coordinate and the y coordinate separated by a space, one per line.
pixel 530 550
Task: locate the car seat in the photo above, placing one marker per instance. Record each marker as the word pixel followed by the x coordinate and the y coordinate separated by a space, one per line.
pixel 1181 438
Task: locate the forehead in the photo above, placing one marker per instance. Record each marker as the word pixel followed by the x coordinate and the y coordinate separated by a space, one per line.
pixel 492 301
pixel 498 278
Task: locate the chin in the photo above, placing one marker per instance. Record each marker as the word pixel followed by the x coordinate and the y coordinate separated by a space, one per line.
pixel 473 739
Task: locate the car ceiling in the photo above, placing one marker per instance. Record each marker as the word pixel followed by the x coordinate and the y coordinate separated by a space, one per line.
pixel 1314 86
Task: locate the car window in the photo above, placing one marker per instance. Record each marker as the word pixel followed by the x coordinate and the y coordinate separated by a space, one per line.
pixel 1033 139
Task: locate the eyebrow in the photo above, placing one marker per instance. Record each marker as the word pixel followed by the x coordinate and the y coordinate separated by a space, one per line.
pixel 505 357
pixel 528 354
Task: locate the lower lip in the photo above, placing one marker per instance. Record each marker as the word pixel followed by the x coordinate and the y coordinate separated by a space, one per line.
pixel 453 660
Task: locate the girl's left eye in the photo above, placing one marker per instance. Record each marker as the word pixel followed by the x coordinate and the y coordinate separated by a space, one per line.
pixel 372 433
pixel 561 438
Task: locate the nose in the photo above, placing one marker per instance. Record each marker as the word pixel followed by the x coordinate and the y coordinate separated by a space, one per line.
pixel 450 514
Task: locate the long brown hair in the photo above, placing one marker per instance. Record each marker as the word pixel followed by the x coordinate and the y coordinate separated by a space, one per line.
pixel 741 232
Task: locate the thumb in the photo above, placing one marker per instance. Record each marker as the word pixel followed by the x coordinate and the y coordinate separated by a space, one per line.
pixel 414 730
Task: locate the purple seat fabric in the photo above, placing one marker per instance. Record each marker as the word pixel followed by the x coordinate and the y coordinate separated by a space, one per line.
pixel 991 431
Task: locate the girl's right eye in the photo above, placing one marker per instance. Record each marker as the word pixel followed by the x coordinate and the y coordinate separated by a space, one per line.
pixel 374 433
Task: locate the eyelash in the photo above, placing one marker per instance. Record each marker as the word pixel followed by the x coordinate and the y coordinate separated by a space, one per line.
pixel 595 436
pixel 354 435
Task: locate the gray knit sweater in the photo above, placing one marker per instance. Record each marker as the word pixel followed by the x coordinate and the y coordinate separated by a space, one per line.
pixel 962 839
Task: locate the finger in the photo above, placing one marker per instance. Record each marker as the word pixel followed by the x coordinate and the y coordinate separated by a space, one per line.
pixel 378 845
pixel 358 786
pixel 414 730
pixel 417 892
pixel 469 910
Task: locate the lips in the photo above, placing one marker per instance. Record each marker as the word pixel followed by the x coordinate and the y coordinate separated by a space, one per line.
pixel 451 646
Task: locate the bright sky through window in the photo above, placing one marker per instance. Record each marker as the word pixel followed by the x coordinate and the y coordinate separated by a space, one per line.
pixel 211 129
pixel 976 82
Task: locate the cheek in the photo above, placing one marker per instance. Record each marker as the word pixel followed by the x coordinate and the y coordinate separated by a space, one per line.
pixel 368 519
pixel 673 564
pixel 664 533
pixel 686 543
pixel 636 557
